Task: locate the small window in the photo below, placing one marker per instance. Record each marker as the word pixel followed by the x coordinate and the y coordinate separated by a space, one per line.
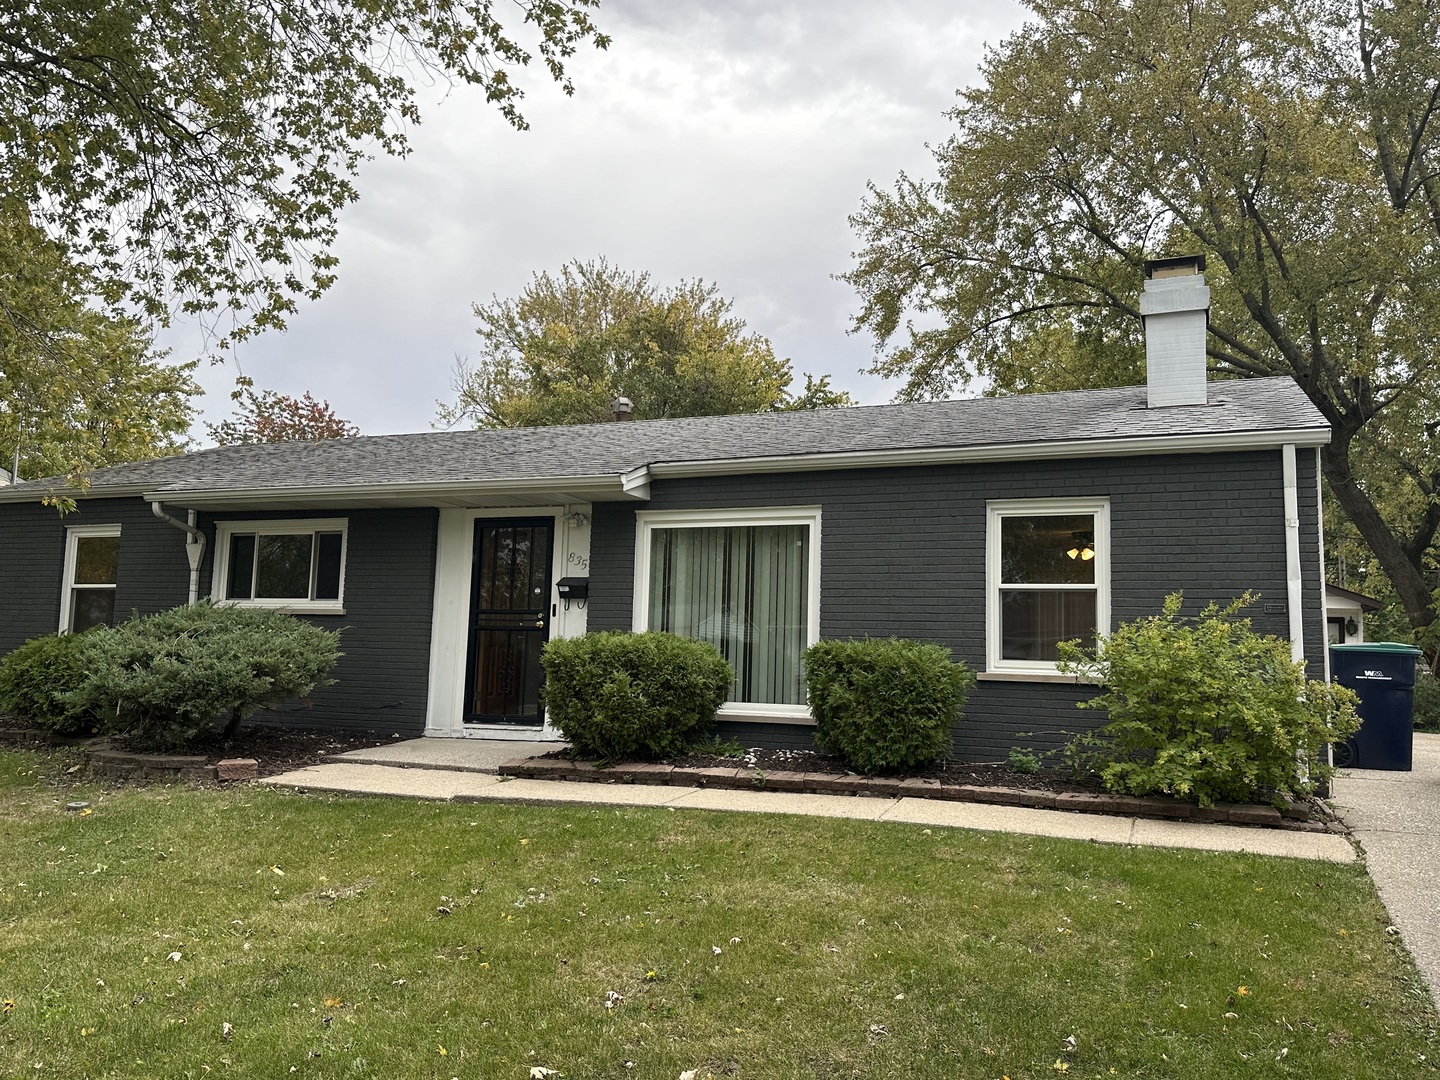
pixel 1048 580
pixel 92 562
pixel 290 564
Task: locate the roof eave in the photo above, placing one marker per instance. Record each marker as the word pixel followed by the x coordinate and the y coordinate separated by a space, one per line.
pixel 1128 446
pixel 610 488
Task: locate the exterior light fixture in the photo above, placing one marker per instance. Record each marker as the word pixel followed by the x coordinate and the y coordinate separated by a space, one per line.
pixel 1352 628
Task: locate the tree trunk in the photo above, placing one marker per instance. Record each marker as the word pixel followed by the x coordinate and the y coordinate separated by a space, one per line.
pixel 1405 574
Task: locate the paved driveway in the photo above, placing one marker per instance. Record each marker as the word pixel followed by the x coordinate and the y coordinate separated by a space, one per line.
pixel 1396 818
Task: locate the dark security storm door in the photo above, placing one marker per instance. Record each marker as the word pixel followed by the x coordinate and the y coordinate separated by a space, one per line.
pixel 509 619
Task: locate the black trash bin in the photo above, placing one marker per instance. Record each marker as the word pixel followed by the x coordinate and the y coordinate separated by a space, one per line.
pixel 1383 674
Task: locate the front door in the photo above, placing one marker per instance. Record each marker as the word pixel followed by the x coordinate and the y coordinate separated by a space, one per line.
pixel 509 619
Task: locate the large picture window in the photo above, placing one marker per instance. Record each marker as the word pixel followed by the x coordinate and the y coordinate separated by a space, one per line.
pixel 745 581
pixel 286 564
pixel 1048 580
pixel 92 564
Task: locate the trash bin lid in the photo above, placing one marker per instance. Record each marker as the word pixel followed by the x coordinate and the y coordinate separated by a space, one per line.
pixel 1379 647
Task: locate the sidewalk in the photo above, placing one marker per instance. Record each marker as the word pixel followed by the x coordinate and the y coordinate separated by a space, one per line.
pixel 1396 818
pixel 429 778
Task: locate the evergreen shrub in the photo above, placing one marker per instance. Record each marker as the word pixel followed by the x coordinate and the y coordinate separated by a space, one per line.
pixel 617 695
pixel 884 705
pixel 35 680
pixel 167 678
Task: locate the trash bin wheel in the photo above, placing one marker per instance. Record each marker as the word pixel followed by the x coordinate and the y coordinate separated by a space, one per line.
pixel 1342 754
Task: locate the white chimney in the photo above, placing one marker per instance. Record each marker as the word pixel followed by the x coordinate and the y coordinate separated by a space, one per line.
pixel 1176 308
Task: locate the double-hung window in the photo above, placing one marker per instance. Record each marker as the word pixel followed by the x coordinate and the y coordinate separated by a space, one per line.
pixel 296 565
pixel 748 582
pixel 92 562
pixel 1047 580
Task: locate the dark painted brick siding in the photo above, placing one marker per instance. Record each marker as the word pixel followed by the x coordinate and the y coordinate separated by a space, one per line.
pixel 903 552
pixel 152 575
pixel 382 680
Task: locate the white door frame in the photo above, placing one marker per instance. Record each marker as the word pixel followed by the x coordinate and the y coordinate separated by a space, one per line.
pixel 449 630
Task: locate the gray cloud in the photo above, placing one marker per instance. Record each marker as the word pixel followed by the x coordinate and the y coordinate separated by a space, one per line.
pixel 722 140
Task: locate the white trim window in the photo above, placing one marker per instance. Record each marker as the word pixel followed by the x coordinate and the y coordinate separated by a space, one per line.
pixel 748 582
pixel 1047 580
pixel 296 565
pixel 92 564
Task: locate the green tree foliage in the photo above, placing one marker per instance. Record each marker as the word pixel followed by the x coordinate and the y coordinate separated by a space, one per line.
pixel 197 154
pixel 1206 708
pixel 79 388
pixel 885 705
pixel 166 678
pixel 616 695
pixel 572 343
pixel 274 417
pixel 1296 143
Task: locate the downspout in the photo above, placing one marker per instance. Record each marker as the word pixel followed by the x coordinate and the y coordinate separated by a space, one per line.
pixel 194 545
pixel 1294 585
pixel 1295 593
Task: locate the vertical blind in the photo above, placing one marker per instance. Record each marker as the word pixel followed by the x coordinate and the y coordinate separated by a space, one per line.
pixel 743 589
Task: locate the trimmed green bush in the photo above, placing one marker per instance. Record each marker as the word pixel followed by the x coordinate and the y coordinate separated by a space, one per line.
pixel 35 678
pixel 166 678
pixel 616 695
pixel 884 705
pixel 1207 708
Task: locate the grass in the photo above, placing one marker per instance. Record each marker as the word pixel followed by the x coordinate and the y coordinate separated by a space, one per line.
pixel 379 938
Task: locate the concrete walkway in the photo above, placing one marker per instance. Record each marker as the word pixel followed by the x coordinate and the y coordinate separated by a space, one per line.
pixel 1396 818
pixel 410 771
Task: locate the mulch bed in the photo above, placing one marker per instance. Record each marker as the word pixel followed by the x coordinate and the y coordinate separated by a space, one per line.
pixel 996 783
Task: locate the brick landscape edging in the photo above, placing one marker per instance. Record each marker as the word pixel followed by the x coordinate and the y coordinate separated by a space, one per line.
pixel 1297 815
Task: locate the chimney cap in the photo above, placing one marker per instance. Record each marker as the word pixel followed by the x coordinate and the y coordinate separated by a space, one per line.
pixel 1175 266
pixel 622 407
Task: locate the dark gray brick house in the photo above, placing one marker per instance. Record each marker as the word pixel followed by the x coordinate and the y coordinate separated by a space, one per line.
pixel 994 526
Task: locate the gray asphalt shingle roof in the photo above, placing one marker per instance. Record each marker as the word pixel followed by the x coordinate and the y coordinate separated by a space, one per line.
pixel 607 450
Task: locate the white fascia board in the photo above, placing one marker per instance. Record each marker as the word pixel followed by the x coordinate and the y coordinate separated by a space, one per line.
pixel 9 494
pixel 450 489
pixel 947 455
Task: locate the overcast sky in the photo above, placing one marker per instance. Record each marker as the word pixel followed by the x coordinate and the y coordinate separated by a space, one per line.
pixel 726 139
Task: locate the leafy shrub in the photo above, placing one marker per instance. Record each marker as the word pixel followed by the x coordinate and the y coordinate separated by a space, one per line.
pixel 618 695
pixel 35 678
pixel 166 678
pixel 1024 760
pixel 1207 707
pixel 884 705
pixel 1427 700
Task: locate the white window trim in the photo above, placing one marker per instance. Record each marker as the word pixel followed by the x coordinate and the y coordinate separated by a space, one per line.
pixel 648 520
pixel 997 509
pixel 220 574
pixel 73 534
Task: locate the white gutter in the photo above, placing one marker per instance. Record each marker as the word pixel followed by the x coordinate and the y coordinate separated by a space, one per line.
pixel 597 485
pixel 1294 586
pixel 194 545
pixel 946 455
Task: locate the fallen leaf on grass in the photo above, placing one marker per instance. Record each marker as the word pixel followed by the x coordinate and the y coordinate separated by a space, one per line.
pixel 227 1031
pixel 540 1072
pixel 174 957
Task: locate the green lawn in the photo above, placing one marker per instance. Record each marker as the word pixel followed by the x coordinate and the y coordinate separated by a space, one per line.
pixel 737 945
